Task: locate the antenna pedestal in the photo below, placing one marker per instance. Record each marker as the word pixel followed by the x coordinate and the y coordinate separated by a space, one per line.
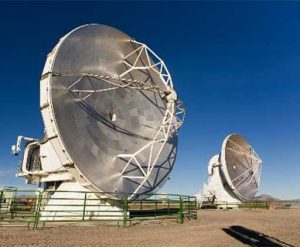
pixel 72 202
pixel 214 191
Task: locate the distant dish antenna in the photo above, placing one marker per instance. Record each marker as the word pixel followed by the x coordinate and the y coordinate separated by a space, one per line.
pixel 234 174
pixel 111 116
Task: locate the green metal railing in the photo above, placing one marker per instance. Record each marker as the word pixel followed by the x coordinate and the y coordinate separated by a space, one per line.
pixel 249 205
pixel 255 204
pixel 36 208
pixel 230 205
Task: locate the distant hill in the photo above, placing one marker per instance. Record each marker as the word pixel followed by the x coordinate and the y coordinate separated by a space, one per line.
pixel 296 200
pixel 265 197
pixel 269 198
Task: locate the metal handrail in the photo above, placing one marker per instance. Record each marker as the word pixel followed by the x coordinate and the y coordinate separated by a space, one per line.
pixel 31 207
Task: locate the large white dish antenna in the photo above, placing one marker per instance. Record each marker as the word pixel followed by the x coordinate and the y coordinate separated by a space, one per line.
pixel 234 174
pixel 111 114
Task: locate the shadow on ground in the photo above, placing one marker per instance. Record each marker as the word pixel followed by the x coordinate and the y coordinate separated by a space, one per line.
pixel 253 238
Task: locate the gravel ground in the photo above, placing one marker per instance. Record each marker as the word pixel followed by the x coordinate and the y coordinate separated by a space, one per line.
pixel 213 228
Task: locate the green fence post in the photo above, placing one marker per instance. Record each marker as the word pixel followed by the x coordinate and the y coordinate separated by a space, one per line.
pixel 189 206
pixel 37 211
pixel 195 208
pixel 1 201
pixel 181 216
pixel 155 206
pixel 125 210
pixel 1 196
pixel 84 206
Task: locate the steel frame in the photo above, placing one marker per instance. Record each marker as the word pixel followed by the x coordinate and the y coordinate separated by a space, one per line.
pixel 253 171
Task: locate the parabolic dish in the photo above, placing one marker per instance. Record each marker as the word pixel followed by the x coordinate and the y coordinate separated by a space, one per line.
pixel 240 166
pixel 115 110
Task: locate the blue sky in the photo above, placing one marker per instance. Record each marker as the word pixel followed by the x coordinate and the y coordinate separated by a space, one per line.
pixel 235 65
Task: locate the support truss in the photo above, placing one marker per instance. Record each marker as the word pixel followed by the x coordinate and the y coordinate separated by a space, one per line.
pixel 153 62
pixel 172 119
pixel 254 166
pixel 162 136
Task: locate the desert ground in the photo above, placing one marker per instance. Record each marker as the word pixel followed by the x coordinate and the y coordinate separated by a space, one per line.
pixel 212 228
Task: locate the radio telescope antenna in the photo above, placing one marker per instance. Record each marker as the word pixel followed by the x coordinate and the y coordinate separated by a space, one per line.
pixel 111 115
pixel 234 174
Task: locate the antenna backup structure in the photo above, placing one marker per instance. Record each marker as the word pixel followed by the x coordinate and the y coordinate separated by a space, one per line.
pixel 111 117
pixel 233 175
